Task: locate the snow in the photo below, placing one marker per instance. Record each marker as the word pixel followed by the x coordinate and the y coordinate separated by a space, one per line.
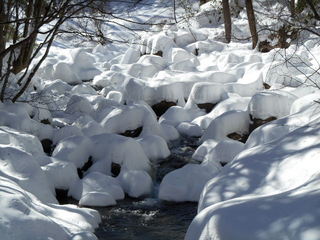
pixel 84 99
pixel 62 174
pixel 97 189
pixel 186 183
pixel 135 183
pixel 225 124
pixel 75 149
pixel 271 180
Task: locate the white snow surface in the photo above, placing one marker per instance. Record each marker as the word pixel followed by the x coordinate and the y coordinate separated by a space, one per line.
pixel 82 99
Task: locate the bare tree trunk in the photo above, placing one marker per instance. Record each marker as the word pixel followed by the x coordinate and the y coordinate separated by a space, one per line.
pixel 2 34
pixel 252 23
pixel 174 11
pixel 227 19
pixel 313 9
pixel 292 8
pixel 33 11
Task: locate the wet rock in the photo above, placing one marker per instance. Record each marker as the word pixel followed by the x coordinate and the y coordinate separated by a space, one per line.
pixel 161 107
pixel 62 196
pixel 132 133
pixel 47 146
pixel 46 121
pixel 115 169
pixel 159 53
pixel 266 86
pixel 238 137
pixel 85 167
pixel 206 106
pixel 256 122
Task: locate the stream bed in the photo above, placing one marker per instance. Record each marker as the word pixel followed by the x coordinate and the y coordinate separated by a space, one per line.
pixel 151 218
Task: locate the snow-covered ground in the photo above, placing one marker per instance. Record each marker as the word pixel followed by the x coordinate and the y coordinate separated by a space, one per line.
pixel 100 139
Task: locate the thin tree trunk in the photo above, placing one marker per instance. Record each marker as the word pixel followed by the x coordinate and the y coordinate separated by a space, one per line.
pixel 174 11
pixel 26 50
pixel 313 9
pixel 227 19
pixel 292 8
pixel 252 23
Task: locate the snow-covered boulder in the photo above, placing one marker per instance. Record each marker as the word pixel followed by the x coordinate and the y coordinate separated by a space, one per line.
pixel 186 183
pixel 230 122
pixel 271 103
pixel 97 189
pixel 113 148
pixel 135 183
pixel 155 147
pixel 75 149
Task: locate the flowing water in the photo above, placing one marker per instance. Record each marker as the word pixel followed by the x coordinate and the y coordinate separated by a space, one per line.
pixel 151 218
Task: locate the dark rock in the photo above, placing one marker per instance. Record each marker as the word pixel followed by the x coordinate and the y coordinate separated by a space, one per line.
pixel 206 106
pixel 85 167
pixel 223 164
pixel 47 146
pixel 161 107
pixel 256 122
pixel 115 169
pixel 132 133
pixel 62 196
pixel 159 53
pixel 266 86
pixel 45 121
pixel 196 52
pixel 238 137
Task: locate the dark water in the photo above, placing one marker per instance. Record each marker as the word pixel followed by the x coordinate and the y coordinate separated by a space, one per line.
pixel 150 218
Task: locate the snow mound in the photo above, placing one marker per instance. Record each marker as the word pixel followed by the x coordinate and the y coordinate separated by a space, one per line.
pixel 234 102
pixel 75 149
pixel 230 122
pixel 271 103
pixel 97 188
pixel 20 167
pixel 21 140
pixel 224 151
pixel 186 183
pixel 62 174
pixel 271 180
pixel 24 217
pixel 112 148
pixel 154 147
pixel 135 183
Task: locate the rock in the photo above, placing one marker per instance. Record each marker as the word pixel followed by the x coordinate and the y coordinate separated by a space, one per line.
pixel 238 137
pixel 206 106
pixel 47 146
pixel 132 133
pixel 161 107
pixel 256 122
pixel 85 167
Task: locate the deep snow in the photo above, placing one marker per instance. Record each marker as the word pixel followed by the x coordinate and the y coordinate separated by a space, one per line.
pixel 265 188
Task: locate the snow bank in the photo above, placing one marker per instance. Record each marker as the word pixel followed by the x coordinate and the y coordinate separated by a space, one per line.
pixel 24 217
pixel 271 180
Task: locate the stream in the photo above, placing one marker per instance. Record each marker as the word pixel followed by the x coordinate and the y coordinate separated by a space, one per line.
pixel 151 218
